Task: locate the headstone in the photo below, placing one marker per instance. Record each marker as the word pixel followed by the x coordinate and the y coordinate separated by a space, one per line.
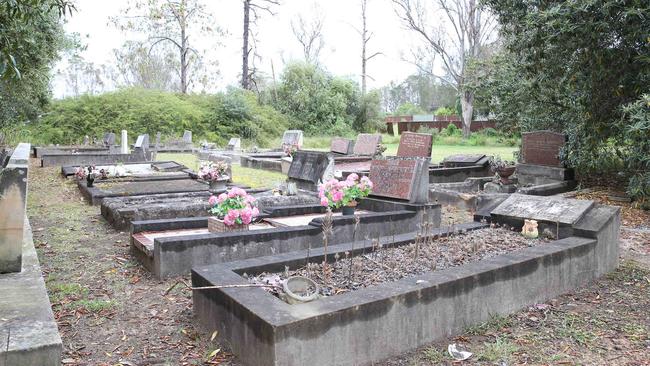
pixel 366 144
pixel 142 142
pixel 401 178
pixel 109 139
pixel 234 144
pixel 542 148
pixel 460 160
pixel 167 166
pixel 158 136
pixel 292 137
pixel 125 143
pixel 86 140
pixel 342 146
pixel 413 144
pixel 550 209
pixel 187 137
pixel 310 166
pixel 13 194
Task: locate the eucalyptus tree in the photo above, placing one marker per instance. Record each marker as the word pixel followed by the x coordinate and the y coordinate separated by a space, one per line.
pixel 252 10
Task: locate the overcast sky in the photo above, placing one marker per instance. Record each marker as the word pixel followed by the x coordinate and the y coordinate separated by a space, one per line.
pixel 341 54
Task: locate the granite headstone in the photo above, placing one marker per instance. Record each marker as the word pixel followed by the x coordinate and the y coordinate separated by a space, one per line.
pixel 340 145
pixel 310 166
pixel 460 160
pixel 366 144
pixel 413 144
pixel 401 178
pixel 292 137
pixel 542 148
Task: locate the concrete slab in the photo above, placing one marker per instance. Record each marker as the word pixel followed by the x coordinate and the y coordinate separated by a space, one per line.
pixel 549 209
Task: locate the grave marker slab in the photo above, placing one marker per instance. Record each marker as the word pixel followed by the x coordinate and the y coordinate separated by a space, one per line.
pixel 549 209
pixel 292 137
pixel 542 148
pixel 460 160
pixel 234 144
pixel 142 142
pixel 13 198
pixel 366 144
pixel 413 144
pixel 341 145
pixel 109 139
pixel 310 166
pixel 405 179
pixel 187 137
pixel 167 166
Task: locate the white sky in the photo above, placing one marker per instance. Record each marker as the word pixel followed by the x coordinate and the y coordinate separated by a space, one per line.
pixel 341 54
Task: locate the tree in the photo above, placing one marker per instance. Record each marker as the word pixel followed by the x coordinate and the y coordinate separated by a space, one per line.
pixel 310 36
pixel 458 43
pixel 251 7
pixel 83 77
pixel 172 23
pixel 365 38
pixel 572 66
pixel 31 38
pixel 139 66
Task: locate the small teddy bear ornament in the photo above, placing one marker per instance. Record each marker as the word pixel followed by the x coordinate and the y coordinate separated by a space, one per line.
pixel 530 229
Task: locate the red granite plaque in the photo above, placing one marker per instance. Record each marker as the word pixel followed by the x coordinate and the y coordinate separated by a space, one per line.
pixel 413 144
pixel 340 145
pixel 542 148
pixel 366 144
pixel 393 178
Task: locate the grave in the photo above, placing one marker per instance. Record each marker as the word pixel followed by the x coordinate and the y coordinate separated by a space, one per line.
pixel 363 151
pixel 28 331
pixel 108 139
pixel 183 144
pixel 366 144
pixel 465 160
pixel 234 144
pixel 125 143
pixel 187 137
pixel 141 170
pixel 401 178
pixel 309 168
pixel 168 247
pixel 135 187
pixel 354 323
pixel 413 144
pixel 142 143
pixel 93 158
pixel 342 146
pixel 293 137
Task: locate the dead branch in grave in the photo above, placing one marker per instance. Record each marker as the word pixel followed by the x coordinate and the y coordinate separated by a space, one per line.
pixel 181 282
pixel 327 230
pixel 354 239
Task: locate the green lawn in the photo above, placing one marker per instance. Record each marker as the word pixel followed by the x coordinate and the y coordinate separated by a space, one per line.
pixel 439 152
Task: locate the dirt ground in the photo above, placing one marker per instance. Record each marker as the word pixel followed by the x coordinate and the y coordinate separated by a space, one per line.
pixel 111 311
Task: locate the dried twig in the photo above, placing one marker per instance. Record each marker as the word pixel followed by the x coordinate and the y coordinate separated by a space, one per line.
pixel 216 286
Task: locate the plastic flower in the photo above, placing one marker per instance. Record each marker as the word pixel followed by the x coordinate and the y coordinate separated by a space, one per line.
pixel 213 200
pixel 324 201
pixel 337 196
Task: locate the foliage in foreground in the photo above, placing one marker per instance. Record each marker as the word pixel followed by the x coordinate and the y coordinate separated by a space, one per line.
pixel 573 66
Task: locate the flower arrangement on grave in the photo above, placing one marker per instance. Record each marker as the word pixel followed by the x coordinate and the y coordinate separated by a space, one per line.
pixel 212 171
pixel 503 168
pixel 80 173
pixel 346 193
pixel 233 210
pixel 290 149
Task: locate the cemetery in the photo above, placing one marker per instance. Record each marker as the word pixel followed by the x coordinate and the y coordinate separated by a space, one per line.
pixel 455 183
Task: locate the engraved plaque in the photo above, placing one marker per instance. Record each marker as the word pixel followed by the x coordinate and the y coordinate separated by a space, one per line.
pixel 366 144
pixel 542 148
pixel 413 144
pixel 393 178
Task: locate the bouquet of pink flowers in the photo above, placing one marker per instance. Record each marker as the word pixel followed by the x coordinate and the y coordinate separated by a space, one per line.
pixel 211 171
pixel 234 207
pixel 290 149
pixel 335 194
pixel 80 173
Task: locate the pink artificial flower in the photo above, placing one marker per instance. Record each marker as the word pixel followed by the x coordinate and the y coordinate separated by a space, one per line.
pixel 246 215
pixel 228 221
pixel 337 196
pixel 222 197
pixel 353 177
pixel 324 201
pixel 256 212
pixel 213 200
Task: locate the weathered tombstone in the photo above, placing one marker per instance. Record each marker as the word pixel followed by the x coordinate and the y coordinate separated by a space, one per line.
pixel 414 145
pixel 13 198
pixel 366 144
pixel 234 144
pixel 460 160
pixel 542 148
pixel 158 136
pixel 167 166
pixel 308 168
pixel 86 140
pixel 109 139
pixel 187 137
pixel 125 143
pixel 292 137
pixel 142 143
pixel 401 178
pixel 548 209
pixel 342 146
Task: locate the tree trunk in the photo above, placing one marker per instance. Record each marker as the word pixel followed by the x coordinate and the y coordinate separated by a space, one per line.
pixel 467 107
pixel 364 40
pixel 183 58
pixel 244 70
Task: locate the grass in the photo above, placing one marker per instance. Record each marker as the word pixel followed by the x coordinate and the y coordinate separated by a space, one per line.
pixel 499 350
pixel 433 355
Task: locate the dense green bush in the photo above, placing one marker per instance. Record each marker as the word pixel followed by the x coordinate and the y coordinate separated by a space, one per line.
pixel 452 130
pixel 214 117
pixel 444 111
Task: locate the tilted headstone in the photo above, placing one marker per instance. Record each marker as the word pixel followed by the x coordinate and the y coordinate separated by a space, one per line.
pixel 142 142
pixel 109 139
pixel 187 137
pixel 542 148
pixel 460 160
pixel 366 144
pixel 414 145
pixel 342 146
pixel 401 178
pixel 310 166
pixel 292 137
pixel 167 166
pixel 234 144
pixel 549 209
pixel 13 199
pixel 125 143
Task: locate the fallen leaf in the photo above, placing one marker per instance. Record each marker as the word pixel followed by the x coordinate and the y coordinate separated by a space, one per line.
pixel 214 335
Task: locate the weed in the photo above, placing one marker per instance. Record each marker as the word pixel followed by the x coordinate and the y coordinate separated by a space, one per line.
pixel 573 327
pixel 500 350
pixel 433 355
pixel 496 322
pixel 94 306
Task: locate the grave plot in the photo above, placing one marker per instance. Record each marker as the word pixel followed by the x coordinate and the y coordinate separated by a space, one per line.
pixel 272 159
pixel 173 246
pixel 138 169
pixel 363 150
pixel 397 305
pixel 138 186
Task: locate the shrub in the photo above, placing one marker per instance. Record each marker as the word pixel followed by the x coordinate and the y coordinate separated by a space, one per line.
pixel 452 130
pixel 444 111
pixel 490 132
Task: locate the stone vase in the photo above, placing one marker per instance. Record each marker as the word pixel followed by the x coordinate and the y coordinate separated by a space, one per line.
pixel 219 184
pixel 216 225
pixel 505 173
